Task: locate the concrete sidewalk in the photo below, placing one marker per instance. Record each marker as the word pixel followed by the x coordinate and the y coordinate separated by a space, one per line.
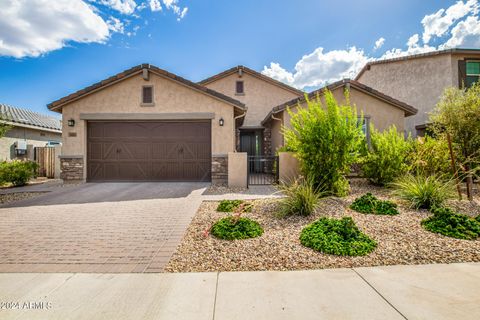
pixel 395 292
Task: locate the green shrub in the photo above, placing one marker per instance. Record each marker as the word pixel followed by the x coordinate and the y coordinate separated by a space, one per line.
pixel 430 156
pixel 339 237
pixel 424 192
pixel 228 205
pixel 385 160
pixel 368 203
pixel 327 140
pixel 301 198
pixel 451 224
pixel 232 228
pixel 18 173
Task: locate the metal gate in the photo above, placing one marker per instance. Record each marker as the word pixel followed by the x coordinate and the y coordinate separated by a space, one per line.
pixel 262 170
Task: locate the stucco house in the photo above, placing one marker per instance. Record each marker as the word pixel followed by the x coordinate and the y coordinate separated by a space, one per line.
pixel 147 124
pixel 28 130
pixel 260 94
pixel 377 108
pixel 420 79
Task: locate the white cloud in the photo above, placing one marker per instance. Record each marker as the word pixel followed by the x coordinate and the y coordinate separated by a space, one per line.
pixel 173 5
pixel 319 68
pixel 155 5
pixel 34 27
pixel 122 6
pixel 465 34
pixel 115 25
pixel 438 23
pixel 379 43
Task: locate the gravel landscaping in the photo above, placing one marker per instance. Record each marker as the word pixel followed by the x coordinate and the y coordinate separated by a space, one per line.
pixel 12 197
pixel 401 238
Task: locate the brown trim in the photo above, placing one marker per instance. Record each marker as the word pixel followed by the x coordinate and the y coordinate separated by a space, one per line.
pixel 416 56
pixel 348 83
pixel 252 73
pixel 137 70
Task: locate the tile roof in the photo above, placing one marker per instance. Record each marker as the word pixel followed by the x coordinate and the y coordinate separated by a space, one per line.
pixel 28 117
pixel 136 70
pixel 251 72
pixel 408 109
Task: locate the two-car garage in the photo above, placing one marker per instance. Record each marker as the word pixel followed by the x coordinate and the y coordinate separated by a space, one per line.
pixel 148 151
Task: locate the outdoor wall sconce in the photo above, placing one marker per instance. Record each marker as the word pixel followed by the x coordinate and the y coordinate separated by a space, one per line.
pixel 71 123
pixel 221 122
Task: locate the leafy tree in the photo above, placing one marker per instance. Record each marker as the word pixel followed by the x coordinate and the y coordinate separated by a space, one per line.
pixel 327 139
pixel 458 116
pixel 4 127
pixel 385 160
pixel 430 156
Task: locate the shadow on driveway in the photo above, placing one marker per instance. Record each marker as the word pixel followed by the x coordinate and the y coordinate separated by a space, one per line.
pixel 108 192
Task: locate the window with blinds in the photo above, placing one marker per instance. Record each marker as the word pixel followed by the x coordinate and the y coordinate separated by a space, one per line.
pixel 147 95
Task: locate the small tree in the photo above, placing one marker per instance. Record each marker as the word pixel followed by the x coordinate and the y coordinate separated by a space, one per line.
pixel 327 140
pixel 458 115
pixel 4 127
pixel 385 160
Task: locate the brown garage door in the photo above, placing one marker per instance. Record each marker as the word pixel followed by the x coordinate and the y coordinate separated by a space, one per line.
pixel 149 151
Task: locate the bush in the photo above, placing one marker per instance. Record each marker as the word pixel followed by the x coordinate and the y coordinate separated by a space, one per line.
pixel 368 203
pixel 384 161
pixel 231 205
pixel 451 224
pixel 430 156
pixel 301 198
pixel 327 140
pixel 339 237
pixel 424 192
pixel 18 173
pixel 232 228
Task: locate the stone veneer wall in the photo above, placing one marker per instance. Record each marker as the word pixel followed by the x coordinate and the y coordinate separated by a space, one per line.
pixel 219 169
pixel 72 168
pixel 267 141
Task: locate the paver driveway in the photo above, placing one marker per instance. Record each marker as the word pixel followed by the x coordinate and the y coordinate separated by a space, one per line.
pixel 110 227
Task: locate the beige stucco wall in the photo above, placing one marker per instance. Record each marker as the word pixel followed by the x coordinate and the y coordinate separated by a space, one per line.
pixel 380 113
pixel 260 96
pixel 419 82
pixel 237 169
pixel 34 138
pixel 276 130
pixel 169 97
pixel 288 167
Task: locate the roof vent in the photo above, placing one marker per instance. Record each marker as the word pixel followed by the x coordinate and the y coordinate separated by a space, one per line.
pixel 145 74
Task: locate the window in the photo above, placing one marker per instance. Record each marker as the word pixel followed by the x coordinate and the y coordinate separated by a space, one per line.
pixel 147 95
pixel 473 73
pixel 366 128
pixel 239 88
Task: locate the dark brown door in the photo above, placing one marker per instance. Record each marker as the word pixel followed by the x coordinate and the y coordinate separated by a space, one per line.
pixel 149 151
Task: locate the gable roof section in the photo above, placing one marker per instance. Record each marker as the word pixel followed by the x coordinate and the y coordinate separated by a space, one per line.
pixel 408 109
pixel 251 72
pixel 27 118
pixel 417 56
pixel 55 105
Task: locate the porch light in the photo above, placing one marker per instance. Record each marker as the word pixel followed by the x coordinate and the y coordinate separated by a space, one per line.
pixel 221 122
pixel 71 123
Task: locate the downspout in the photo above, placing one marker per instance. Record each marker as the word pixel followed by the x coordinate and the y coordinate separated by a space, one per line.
pixel 235 129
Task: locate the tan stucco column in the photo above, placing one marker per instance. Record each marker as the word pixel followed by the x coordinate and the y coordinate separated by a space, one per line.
pixel 237 169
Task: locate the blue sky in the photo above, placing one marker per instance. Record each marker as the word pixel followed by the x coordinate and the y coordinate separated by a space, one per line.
pixel 51 48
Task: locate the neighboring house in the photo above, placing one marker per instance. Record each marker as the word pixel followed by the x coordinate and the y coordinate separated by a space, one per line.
pixel 377 108
pixel 28 130
pixel 420 80
pixel 260 94
pixel 146 124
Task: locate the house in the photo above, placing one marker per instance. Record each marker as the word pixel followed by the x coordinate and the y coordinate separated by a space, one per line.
pixel 147 124
pixel 377 108
pixel 420 79
pixel 260 94
pixel 28 130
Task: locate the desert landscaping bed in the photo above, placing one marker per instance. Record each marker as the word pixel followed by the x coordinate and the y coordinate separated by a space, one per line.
pixel 401 238
pixel 17 196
